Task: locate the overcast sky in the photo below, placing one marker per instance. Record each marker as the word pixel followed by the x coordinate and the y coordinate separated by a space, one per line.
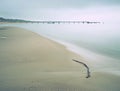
pixel 60 9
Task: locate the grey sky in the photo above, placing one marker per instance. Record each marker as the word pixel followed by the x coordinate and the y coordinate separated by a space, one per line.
pixel 23 8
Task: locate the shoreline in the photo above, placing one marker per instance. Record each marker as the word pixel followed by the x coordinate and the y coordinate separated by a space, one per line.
pixel 95 60
pixel 30 62
pixel 92 58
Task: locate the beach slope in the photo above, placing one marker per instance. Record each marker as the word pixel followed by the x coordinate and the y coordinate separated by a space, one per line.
pixel 30 62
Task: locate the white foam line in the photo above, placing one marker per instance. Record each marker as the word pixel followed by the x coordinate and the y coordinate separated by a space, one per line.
pixel 80 51
pixel 98 61
pixel 3 37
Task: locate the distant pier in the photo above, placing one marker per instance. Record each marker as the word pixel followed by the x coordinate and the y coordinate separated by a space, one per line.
pixel 65 22
pixel 4 20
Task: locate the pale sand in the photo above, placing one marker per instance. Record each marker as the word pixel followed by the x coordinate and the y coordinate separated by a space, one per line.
pixel 30 62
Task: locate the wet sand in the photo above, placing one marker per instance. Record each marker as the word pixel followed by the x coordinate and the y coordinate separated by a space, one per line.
pixel 30 62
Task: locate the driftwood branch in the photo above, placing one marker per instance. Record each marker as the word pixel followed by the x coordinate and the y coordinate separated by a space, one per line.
pixel 88 71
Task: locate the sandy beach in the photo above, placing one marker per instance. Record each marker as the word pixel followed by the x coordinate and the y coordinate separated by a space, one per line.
pixel 30 62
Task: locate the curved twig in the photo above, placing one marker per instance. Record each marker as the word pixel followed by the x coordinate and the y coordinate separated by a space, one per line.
pixel 88 72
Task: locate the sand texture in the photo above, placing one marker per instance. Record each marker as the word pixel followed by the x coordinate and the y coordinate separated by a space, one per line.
pixel 30 62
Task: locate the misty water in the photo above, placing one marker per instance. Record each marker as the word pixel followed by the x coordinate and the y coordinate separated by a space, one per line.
pixel 102 39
